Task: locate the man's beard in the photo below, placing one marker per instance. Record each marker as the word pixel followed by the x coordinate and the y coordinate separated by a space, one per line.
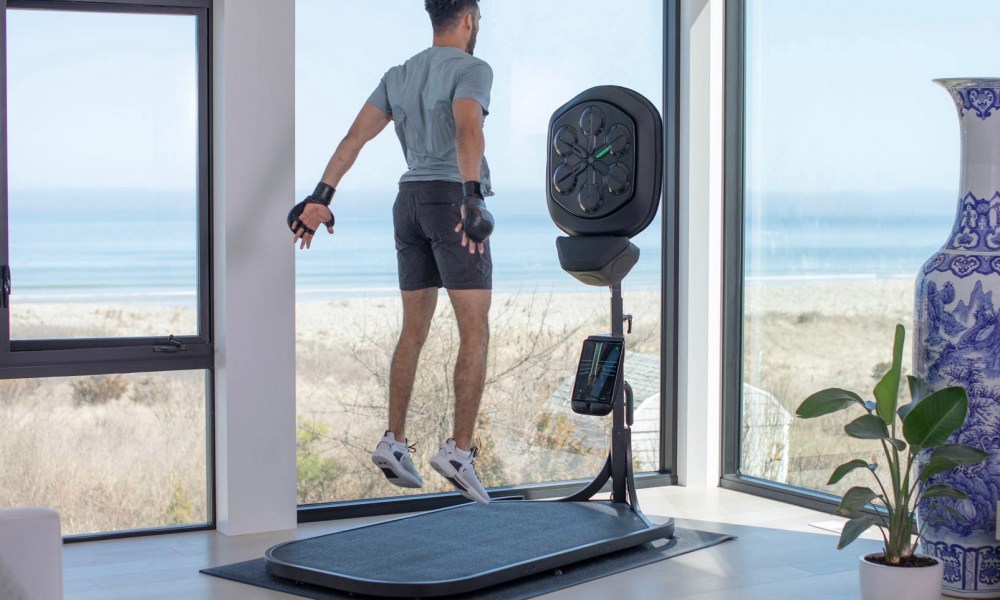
pixel 471 46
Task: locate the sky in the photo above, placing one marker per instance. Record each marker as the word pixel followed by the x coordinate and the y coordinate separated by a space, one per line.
pixel 101 100
pixel 540 61
pixel 840 98
pixel 839 94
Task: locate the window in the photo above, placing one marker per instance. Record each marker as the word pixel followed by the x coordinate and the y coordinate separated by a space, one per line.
pixel 348 307
pixel 109 452
pixel 844 162
pixel 105 348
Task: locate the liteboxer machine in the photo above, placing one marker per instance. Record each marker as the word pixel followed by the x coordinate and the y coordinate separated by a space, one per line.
pixel 603 187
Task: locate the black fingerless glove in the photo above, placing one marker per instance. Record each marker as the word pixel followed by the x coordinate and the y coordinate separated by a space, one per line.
pixel 478 222
pixel 323 194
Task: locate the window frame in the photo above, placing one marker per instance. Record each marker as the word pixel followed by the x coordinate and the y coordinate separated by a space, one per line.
pixel 75 357
pixel 732 280
pixel 43 358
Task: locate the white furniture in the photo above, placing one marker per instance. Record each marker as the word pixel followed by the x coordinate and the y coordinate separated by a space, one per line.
pixel 30 554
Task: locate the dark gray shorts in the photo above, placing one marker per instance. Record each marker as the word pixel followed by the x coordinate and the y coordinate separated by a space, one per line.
pixel 428 250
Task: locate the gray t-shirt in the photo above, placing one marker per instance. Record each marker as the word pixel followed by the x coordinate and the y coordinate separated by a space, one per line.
pixel 418 96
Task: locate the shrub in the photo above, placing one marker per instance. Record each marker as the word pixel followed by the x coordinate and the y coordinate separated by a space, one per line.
pixel 316 473
pixel 98 389
pixel 180 509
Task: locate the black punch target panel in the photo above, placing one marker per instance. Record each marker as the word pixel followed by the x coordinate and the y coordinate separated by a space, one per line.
pixel 604 163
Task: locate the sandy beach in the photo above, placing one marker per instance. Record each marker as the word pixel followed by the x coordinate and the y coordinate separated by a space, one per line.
pixel 799 338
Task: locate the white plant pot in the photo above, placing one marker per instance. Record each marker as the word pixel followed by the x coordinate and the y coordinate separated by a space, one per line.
pixel 880 582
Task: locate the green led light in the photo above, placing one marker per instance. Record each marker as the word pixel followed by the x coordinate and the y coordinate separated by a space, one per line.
pixel 603 152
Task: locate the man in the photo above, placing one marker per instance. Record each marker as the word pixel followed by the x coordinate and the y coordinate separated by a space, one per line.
pixel 438 100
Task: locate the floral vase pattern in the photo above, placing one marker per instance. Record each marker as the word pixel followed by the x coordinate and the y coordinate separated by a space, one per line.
pixel 957 342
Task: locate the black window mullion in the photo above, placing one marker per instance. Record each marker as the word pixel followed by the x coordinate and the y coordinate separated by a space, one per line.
pixel 670 237
pixel 732 277
pixel 204 178
pixel 164 6
pixel 4 237
pixel 140 344
pixel 98 361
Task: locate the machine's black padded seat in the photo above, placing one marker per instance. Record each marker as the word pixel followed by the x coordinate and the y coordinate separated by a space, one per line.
pixel 597 260
pixel 605 160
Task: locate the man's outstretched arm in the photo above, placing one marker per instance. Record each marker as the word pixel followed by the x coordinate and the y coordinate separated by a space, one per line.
pixel 369 123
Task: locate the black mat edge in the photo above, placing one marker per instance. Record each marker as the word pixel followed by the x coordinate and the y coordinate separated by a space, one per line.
pixel 254 572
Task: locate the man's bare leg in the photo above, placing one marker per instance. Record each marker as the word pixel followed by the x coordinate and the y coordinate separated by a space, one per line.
pixel 472 309
pixel 418 310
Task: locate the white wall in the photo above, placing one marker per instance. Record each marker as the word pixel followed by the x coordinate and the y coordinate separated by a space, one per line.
pixel 254 168
pixel 700 273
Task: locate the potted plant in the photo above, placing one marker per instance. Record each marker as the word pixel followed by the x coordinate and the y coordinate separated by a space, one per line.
pixel 920 428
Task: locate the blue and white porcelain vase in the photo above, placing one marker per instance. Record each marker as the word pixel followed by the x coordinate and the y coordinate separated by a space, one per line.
pixel 957 342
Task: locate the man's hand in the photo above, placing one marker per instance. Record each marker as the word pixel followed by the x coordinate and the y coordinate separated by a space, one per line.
pixel 473 246
pixel 476 223
pixel 313 215
pixel 306 216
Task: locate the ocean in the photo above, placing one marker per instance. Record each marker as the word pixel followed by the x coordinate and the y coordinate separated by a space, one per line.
pixel 139 246
pixel 792 237
pixel 128 247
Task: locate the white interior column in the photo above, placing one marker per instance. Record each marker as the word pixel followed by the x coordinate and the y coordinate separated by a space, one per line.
pixel 254 168
pixel 700 273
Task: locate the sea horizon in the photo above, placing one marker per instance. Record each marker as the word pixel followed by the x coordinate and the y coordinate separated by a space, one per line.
pixel 128 246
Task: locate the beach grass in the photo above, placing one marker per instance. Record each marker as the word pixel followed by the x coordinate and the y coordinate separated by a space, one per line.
pixel 124 452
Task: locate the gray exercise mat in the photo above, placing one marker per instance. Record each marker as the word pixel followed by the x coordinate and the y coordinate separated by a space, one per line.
pixel 254 572
pixel 459 542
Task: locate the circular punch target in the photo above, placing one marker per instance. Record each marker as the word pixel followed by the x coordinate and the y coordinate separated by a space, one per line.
pixel 565 142
pixel 592 120
pixel 590 198
pixel 619 138
pixel 618 178
pixel 564 179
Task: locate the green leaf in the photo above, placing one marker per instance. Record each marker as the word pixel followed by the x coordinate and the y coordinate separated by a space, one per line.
pixel 854 500
pixel 918 388
pixel 897 444
pixel 827 401
pixel 887 389
pixel 918 391
pixel 846 468
pixel 867 427
pixel 949 456
pixel 941 490
pixel 854 528
pixel 936 417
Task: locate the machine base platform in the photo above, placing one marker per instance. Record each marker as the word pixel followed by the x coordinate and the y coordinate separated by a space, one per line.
pixel 463 548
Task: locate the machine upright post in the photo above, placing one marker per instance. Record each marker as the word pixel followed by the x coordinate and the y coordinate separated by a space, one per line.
pixel 620 469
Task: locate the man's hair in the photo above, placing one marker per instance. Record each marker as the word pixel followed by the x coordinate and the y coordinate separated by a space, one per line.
pixel 445 14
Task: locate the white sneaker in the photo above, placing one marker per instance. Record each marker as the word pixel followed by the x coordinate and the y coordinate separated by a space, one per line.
pixel 457 466
pixel 394 459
